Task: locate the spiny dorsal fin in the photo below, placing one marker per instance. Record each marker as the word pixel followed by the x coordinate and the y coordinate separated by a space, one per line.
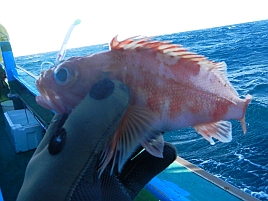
pixel 164 47
pixel 169 50
pixel 136 128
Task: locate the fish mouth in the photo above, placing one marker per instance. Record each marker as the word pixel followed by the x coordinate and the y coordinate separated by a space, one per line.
pixel 49 100
pixel 50 104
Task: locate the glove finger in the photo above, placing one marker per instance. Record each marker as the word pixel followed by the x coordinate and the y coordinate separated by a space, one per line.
pixel 140 170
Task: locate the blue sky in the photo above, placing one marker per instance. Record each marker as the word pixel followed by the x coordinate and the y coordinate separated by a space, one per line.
pixel 40 26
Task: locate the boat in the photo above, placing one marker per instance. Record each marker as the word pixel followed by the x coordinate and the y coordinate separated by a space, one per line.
pixel 181 181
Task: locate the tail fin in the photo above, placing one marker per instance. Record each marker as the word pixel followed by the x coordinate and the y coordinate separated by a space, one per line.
pixel 248 98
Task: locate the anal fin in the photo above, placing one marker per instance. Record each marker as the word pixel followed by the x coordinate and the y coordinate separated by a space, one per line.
pixel 221 130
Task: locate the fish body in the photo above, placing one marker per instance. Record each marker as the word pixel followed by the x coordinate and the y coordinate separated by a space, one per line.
pixel 170 87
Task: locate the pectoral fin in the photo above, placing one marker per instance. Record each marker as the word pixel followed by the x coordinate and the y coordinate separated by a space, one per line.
pixel 221 130
pixel 138 127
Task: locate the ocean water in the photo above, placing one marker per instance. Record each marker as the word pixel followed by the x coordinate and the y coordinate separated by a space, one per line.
pixel 244 47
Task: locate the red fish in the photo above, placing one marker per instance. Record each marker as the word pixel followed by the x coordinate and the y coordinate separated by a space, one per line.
pixel 171 88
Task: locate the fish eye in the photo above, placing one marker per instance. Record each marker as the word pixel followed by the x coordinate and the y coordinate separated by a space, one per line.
pixel 63 75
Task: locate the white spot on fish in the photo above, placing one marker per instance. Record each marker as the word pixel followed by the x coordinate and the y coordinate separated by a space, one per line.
pixel 163 67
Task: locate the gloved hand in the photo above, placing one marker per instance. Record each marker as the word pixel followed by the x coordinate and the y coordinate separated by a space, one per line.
pixel 65 164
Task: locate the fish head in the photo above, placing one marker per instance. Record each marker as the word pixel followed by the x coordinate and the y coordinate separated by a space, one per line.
pixel 64 86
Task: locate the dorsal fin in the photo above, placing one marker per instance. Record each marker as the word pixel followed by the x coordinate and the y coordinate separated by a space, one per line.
pixel 175 56
pixel 219 68
pixel 163 47
pixel 222 69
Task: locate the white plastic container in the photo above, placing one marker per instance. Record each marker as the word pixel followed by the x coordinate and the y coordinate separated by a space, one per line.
pixel 24 131
pixel 7 106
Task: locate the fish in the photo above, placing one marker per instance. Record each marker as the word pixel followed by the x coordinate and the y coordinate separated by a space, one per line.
pixel 171 88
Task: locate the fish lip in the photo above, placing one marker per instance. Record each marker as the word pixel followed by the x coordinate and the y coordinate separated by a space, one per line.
pixel 43 102
pixel 47 100
pixel 52 104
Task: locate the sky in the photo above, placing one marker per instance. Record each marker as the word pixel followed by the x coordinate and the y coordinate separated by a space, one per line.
pixel 37 26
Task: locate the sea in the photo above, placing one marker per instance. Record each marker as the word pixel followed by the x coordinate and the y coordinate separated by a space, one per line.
pixel 243 162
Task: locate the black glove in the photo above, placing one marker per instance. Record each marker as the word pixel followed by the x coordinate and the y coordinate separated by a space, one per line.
pixel 65 164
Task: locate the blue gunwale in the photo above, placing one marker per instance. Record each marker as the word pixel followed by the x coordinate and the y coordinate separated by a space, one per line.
pixel 197 184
